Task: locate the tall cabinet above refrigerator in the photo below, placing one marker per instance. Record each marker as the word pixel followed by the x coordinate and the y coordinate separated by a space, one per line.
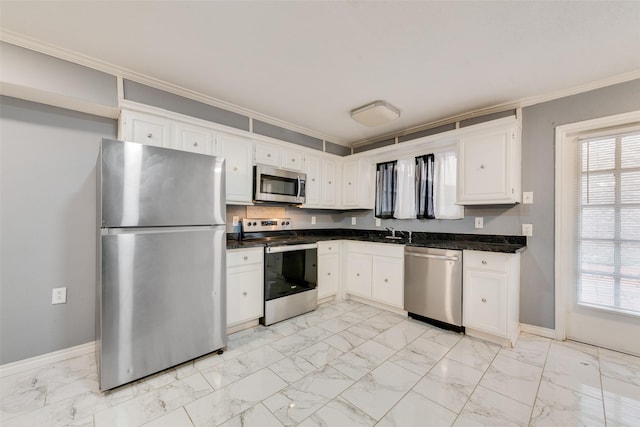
pixel 161 282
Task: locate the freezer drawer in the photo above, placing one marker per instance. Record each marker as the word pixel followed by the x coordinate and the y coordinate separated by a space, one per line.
pixel 433 284
pixel 162 300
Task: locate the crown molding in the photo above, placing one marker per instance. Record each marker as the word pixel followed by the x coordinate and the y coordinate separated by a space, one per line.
pixel 125 73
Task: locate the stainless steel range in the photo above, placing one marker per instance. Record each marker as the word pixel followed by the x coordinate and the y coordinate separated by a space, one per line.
pixel 290 268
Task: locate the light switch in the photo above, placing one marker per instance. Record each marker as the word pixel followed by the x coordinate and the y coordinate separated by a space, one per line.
pixel 236 220
pixel 353 220
pixel 527 197
pixel 527 230
pixel 479 222
pixel 378 222
pixel 313 220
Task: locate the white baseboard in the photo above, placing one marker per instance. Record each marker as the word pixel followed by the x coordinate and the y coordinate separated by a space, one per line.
pixel 538 330
pixel 46 359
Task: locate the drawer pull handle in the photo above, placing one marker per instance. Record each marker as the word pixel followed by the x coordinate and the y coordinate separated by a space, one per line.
pixel 484 300
pixel 246 258
pixel 195 144
pixel 484 262
pixel 244 293
pixel 149 135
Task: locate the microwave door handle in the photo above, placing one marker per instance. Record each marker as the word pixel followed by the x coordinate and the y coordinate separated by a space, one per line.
pixel 298 195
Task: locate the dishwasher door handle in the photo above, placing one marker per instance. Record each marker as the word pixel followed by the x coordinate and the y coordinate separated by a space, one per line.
pixel 442 257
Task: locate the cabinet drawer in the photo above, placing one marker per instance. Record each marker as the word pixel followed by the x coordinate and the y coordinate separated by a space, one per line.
pixel 489 261
pixel 330 247
pixel 236 257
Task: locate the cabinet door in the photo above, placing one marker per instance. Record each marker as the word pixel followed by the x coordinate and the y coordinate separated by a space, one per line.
pixel 239 171
pixel 488 167
pixel 245 300
pixel 328 274
pixel 358 277
pixel 350 184
pixel 485 301
pixel 388 281
pixel 194 139
pixel 329 183
pixel 313 184
pixel 146 129
pixel 292 160
pixel 267 154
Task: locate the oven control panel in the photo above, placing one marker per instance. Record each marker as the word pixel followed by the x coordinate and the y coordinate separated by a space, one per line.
pixel 266 224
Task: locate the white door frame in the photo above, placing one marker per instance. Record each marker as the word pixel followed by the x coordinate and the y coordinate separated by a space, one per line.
pixel 565 213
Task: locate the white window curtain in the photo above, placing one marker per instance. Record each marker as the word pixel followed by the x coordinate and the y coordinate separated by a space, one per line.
pixel 608 218
pixel 445 186
pixel 405 202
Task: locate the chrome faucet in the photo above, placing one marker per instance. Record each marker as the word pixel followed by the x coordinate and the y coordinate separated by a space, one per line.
pixel 393 233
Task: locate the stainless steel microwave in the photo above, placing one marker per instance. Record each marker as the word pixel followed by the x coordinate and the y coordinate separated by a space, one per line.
pixel 278 185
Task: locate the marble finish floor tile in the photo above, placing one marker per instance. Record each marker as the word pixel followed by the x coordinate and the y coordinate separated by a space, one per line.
pixel 344 364
pixel 381 389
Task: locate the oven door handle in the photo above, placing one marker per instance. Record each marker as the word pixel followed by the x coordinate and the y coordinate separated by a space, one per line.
pixel 289 248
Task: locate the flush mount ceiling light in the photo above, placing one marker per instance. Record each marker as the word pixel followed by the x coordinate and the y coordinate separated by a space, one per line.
pixel 375 114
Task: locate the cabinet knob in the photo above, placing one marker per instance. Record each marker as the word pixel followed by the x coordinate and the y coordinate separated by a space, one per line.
pixel 358 274
pixel 149 135
pixel 484 262
pixel 269 155
pixel 293 160
pixel 329 247
pixel 313 180
pixel 246 258
pixel 329 273
pixel 386 280
pixel 195 144
pixel 244 293
pixel 329 182
pixel 484 300
pixel 349 183
pixel 235 168
pixel 481 166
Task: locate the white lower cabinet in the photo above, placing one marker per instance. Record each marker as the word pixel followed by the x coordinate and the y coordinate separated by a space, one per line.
pixel 328 268
pixel 375 271
pixel 245 285
pixel 491 295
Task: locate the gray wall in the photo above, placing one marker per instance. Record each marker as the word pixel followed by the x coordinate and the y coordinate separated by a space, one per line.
pixel 47 226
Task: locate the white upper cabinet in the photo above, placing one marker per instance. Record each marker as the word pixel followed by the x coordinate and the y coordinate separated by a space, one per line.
pixel 489 166
pixel 145 128
pixel 267 154
pixel 292 160
pixel 239 169
pixel 357 184
pixel 279 157
pixel 194 138
pixel 322 182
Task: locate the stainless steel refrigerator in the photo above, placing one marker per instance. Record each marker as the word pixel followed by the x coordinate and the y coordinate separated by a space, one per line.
pixel 161 277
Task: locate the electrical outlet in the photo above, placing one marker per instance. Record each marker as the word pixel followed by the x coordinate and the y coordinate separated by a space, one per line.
pixel 353 220
pixel 527 230
pixel 527 197
pixel 479 222
pixel 236 220
pixel 313 220
pixel 59 296
pixel 378 222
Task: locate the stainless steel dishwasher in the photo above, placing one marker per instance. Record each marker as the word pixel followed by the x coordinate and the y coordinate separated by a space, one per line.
pixel 433 286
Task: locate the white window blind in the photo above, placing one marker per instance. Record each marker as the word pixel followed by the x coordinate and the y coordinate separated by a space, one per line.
pixel 608 240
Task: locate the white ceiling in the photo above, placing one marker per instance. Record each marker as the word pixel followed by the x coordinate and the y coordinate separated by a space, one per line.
pixel 310 62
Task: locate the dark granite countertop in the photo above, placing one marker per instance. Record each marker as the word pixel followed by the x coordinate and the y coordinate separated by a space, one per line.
pixel 477 242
